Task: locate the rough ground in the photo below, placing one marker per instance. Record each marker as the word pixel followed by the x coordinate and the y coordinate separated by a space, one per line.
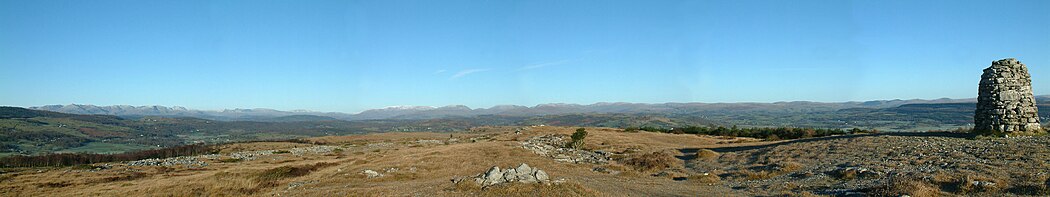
pixel 916 164
pixel 637 164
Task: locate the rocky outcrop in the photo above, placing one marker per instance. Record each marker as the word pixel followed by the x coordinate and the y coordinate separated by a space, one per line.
pixel 188 161
pixel 553 146
pixel 523 174
pixel 199 160
pixel 1005 103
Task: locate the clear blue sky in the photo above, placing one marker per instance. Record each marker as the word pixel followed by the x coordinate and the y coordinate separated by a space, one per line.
pixel 349 56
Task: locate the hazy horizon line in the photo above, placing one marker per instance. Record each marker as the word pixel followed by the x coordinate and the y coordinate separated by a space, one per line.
pixel 474 108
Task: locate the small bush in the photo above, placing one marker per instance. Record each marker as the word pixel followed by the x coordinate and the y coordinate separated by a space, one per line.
pixel 708 155
pixel 788 166
pixel 631 129
pixel 577 138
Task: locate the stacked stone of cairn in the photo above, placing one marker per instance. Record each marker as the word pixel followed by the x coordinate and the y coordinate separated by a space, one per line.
pixel 1005 103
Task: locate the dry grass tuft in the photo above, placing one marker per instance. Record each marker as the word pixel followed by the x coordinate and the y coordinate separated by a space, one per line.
pixel 653 161
pixel 290 171
pixel 466 185
pixel 799 194
pixel 122 177
pixel 708 155
pixel 708 178
pixel 4 177
pixel 232 184
pixel 756 174
pixel 54 184
pixel 788 166
pixel 807 194
pixel 768 171
pixel 972 183
pixel 900 186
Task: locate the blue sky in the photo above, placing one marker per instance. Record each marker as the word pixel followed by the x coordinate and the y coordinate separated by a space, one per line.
pixel 349 56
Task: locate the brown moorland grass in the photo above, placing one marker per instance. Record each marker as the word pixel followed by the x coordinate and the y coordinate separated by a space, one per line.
pixel 425 170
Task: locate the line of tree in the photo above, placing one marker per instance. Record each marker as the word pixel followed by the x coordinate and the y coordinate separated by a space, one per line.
pixel 776 133
pixel 69 159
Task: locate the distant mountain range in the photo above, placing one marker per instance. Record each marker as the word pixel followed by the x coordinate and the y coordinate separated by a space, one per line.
pixel 225 115
pixel 77 128
pixel 426 112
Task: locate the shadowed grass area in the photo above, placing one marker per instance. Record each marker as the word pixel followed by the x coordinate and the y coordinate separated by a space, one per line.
pixel 910 187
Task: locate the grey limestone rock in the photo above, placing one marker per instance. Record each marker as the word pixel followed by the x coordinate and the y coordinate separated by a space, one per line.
pixel 523 174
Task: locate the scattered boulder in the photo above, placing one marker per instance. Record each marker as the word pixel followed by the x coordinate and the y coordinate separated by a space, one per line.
pixel 676 174
pixel 979 186
pixel 605 170
pixel 371 173
pixel 523 174
pixel 188 161
pixel 493 176
pixel 982 184
pixel 855 172
pixel 541 176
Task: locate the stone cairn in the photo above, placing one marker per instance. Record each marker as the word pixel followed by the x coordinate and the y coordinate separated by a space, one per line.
pixel 1005 103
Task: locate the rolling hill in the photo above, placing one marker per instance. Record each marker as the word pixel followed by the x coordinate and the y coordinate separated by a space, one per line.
pixel 124 128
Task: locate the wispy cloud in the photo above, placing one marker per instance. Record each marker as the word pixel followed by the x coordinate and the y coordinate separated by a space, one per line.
pixel 467 72
pixel 541 65
pixel 439 71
